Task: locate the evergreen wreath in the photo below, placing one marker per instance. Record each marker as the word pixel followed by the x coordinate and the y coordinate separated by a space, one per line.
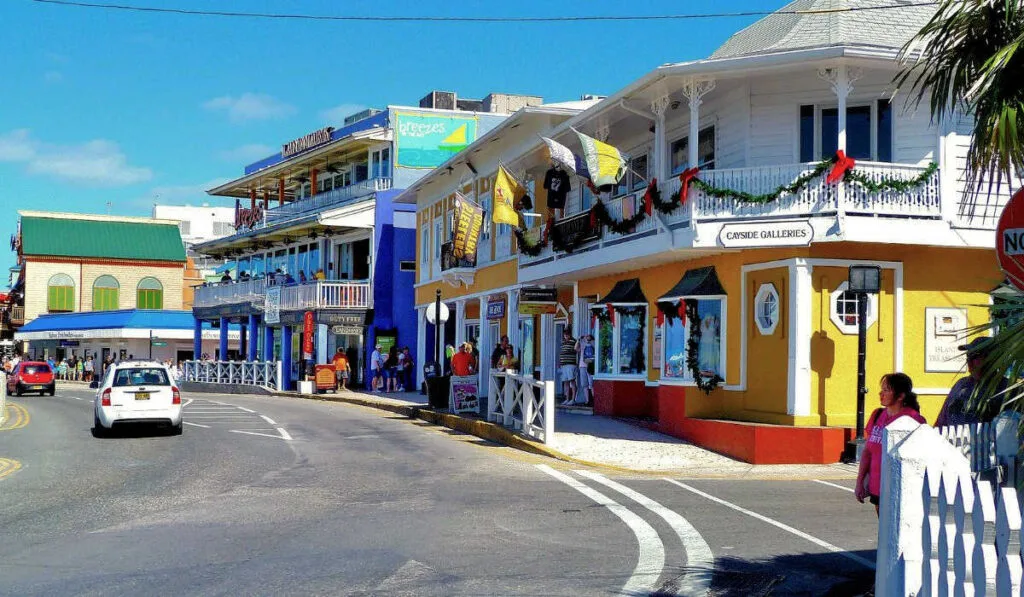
pixel 704 383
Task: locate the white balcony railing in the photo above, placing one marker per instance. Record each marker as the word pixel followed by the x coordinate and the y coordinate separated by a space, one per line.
pixel 327 199
pixel 340 294
pixel 326 295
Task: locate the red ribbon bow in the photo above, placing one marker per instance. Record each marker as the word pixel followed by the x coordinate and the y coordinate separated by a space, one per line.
pixel 842 165
pixel 547 229
pixel 684 187
pixel 593 217
pixel 648 198
pixel 611 312
pixel 681 310
pixel 661 318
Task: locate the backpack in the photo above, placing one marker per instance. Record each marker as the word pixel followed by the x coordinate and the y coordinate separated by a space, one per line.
pixel 588 353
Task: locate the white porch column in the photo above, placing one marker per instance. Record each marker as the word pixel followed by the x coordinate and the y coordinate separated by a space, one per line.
pixel 485 345
pixel 577 316
pixel 514 334
pixel 549 346
pixel 799 367
pixel 323 356
pixel 421 344
pixel 695 89
pixel 661 166
pixel 460 323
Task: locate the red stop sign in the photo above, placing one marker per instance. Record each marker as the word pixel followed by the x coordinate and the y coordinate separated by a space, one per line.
pixel 1010 239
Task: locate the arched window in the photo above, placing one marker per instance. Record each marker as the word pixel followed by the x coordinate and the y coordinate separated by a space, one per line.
pixel 60 294
pixel 150 294
pixel 105 293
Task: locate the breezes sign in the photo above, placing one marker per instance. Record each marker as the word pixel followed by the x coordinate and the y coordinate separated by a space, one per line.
pixel 314 139
pixel 767 234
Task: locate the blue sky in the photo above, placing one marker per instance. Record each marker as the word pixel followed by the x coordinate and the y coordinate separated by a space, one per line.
pixel 101 106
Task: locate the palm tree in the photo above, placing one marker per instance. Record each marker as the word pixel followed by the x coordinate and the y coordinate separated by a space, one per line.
pixel 969 59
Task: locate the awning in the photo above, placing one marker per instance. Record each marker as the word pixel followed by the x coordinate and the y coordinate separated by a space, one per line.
pixel 625 292
pixel 125 323
pixel 695 282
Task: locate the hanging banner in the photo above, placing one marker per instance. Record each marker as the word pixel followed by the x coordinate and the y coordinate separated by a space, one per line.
pixel 272 305
pixel 469 217
pixel 429 140
pixel 495 309
pixel 308 330
pixel 463 394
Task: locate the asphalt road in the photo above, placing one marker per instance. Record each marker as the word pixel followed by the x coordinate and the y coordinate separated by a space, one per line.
pixel 285 496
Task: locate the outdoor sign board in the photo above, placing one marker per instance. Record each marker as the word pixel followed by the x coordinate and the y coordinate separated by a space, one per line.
pixel 428 140
pixel 247 218
pixel 469 217
pixel 576 230
pixel 535 294
pixel 343 330
pixel 463 396
pixel 796 233
pixel 944 329
pixel 308 330
pixel 495 309
pixel 272 305
pixel 1010 239
pixel 309 141
pixel 324 377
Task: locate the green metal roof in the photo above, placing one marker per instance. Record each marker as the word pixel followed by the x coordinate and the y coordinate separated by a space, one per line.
pixel 71 237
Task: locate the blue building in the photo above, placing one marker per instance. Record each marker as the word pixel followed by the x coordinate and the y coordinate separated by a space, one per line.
pixel 322 258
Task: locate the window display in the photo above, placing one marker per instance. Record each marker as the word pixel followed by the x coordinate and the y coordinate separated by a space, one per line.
pixel 709 348
pixel 622 340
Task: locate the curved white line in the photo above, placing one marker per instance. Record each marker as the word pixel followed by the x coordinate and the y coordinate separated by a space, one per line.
pixel 832 485
pixel 268 419
pixel 700 562
pixel 652 552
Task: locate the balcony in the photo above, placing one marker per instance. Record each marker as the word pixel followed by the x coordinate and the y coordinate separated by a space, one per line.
pixel 18 315
pixel 456 269
pixel 327 199
pixel 817 198
pixel 337 294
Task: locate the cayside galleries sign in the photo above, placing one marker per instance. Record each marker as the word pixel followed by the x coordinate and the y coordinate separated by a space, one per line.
pixel 309 141
pixel 767 234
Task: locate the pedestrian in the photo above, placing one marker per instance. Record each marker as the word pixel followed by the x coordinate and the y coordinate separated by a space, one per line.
pixel 391 370
pixel 79 370
pixel 898 400
pixel 341 370
pixel 377 369
pixel 90 369
pixel 585 382
pixel 508 361
pixel 462 361
pixel 498 352
pixel 959 408
pixel 302 277
pixel 320 275
pixel 408 367
pixel 226 278
pixel 567 366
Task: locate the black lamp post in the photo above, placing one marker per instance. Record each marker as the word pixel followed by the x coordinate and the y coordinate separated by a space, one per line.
pixel 863 280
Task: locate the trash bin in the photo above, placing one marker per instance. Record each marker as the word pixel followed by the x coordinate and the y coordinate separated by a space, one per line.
pixel 437 391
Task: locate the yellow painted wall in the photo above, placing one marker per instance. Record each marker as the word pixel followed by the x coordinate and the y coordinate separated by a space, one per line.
pixel 499 275
pixel 767 355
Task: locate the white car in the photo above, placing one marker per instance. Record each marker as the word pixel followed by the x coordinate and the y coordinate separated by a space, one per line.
pixel 137 392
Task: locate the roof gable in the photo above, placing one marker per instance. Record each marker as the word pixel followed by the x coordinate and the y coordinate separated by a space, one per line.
pixel 830 23
pixel 70 237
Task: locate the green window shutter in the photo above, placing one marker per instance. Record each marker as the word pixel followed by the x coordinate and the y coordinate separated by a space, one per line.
pixel 158 299
pixel 151 299
pixel 51 298
pixel 105 299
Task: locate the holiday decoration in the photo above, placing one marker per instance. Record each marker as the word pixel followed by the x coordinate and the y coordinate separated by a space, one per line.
pixel 685 178
pixel 705 383
pixel 842 165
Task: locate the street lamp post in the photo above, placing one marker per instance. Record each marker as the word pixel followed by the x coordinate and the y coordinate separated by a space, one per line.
pixel 863 280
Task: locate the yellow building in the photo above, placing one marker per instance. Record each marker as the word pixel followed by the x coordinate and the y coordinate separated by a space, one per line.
pixel 723 255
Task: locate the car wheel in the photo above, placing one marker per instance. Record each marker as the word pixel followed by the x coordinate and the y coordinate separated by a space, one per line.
pixel 53 391
pixel 97 428
pixel 177 429
pixel 17 390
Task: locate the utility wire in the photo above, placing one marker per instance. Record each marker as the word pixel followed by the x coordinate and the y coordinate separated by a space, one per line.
pixel 456 19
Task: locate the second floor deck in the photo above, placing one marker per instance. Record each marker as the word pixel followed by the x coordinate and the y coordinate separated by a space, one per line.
pixel 320 294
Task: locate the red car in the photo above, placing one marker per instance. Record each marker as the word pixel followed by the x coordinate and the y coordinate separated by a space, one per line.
pixel 31 376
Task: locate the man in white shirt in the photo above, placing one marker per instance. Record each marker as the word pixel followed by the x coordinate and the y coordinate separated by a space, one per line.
pixel 377 364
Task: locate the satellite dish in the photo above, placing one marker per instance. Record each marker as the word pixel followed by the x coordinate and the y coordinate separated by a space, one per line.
pixel 432 316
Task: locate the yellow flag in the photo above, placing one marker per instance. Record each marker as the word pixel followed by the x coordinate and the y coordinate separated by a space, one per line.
pixel 507 194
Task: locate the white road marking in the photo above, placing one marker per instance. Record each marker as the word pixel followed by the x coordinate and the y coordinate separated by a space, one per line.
pixel 833 485
pixel 284 433
pixel 187 402
pixel 368 436
pixel 775 523
pixel 77 398
pixel 700 562
pixel 195 424
pixel 268 419
pixel 245 409
pixel 262 434
pixel 652 551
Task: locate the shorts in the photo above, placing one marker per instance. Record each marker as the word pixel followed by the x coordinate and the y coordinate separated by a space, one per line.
pixel 585 380
pixel 873 499
pixel 340 375
pixel 377 373
pixel 568 372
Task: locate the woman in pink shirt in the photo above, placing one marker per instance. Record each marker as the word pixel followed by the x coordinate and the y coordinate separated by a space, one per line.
pixel 897 401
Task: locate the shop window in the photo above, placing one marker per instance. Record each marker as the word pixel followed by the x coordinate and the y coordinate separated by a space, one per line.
pixel 710 349
pixel 424 250
pixel 60 294
pixel 622 345
pixel 635 177
pixel 868 131
pixel 766 308
pixel 150 294
pixel 105 291
pixel 844 309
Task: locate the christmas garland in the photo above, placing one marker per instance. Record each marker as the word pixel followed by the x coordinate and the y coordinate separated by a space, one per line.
pixel 705 383
pixel 842 168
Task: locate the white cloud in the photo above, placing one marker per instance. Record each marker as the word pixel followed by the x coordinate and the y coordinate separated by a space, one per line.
pixel 247 153
pixel 336 116
pixel 53 76
pixel 95 163
pixel 250 106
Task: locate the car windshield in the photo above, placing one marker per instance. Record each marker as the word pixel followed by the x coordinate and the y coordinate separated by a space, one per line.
pixel 141 376
pixel 34 369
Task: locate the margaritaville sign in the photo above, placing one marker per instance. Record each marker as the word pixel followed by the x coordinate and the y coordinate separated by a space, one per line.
pixel 314 139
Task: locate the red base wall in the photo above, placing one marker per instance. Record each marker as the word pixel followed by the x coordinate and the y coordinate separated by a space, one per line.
pixel 756 443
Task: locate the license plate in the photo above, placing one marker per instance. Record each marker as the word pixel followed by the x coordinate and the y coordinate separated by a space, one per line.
pixel 38 387
pixel 142 395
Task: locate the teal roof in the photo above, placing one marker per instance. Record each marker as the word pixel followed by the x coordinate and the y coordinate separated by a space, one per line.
pixel 112 239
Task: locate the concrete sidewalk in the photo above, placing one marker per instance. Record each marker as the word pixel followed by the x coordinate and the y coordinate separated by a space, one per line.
pixel 595 441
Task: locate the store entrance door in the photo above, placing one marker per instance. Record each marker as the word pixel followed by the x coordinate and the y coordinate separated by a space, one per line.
pixel 553 351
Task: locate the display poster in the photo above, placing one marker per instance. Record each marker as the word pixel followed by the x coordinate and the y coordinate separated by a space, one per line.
pixel 325 379
pixel 272 305
pixel 386 341
pixel 429 140
pixel 675 349
pixel 945 329
pixel 631 343
pixel 469 217
pixel 656 344
pixel 463 396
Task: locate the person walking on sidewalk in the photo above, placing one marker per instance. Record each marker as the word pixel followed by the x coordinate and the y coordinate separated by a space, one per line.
pixel 377 366
pixel 341 370
pixel 499 352
pixel 89 369
pixel 567 366
pixel 585 383
pixel 898 400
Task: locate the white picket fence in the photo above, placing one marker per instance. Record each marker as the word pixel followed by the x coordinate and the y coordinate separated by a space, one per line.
pixel 523 403
pixel 942 529
pixel 258 373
